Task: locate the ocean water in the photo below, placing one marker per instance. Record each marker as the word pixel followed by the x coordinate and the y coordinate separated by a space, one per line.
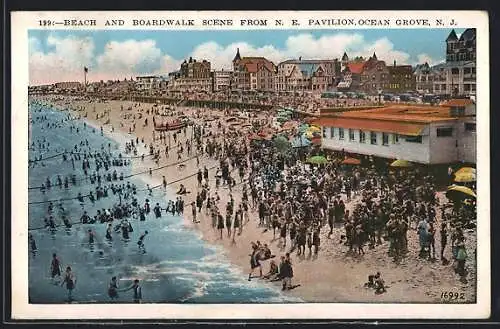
pixel 178 267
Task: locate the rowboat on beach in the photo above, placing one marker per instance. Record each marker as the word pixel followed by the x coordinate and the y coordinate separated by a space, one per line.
pixel 167 126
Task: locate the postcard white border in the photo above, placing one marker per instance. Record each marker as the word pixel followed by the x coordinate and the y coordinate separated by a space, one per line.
pixel 23 21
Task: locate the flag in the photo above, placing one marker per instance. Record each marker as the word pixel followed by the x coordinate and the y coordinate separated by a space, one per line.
pixel 85 69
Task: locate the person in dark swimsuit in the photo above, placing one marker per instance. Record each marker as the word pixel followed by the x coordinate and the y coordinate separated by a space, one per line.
pixel 55 266
pixel 316 239
pixel 220 223
pixel 108 232
pixel 70 280
pixel 91 236
pixel 141 242
pixel 254 262
pixel 283 234
pixel 32 244
pixel 228 223
pixel 113 289
pixel 137 291
pixel 238 218
pixel 275 225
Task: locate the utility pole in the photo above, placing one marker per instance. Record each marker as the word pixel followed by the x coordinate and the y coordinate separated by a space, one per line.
pixel 85 71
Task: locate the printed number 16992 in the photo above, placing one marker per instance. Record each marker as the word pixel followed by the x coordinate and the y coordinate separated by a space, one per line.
pixel 450 295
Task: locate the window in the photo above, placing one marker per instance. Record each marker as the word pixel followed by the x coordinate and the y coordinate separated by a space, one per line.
pixel 454 70
pixel 351 135
pixel 457 110
pixel 341 133
pixel 324 132
pixel 470 126
pixel 467 70
pixel 332 132
pixel 362 136
pixel 373 138
pixel 395 139
pixel 385 139
pixel 444 132
pixel 414 139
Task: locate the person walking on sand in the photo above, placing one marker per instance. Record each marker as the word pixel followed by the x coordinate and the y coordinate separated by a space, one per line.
pixel 286 272
pixel 193 211
pixel 444 239
pixel 460 259
pixel 70 280
pixel 254 262
pixel 220 223
pixel 228 221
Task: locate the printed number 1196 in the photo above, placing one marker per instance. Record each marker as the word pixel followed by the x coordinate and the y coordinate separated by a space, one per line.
pixel 450 295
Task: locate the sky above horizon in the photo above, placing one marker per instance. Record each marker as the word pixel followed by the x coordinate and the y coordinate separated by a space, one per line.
pixel 117 54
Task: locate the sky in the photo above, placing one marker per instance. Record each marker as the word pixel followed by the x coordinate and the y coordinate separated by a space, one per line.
pixel 110 54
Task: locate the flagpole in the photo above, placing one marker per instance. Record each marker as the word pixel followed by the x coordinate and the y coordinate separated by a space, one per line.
pixel 85 70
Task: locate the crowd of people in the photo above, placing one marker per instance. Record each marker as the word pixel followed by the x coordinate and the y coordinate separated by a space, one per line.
pixel 300 203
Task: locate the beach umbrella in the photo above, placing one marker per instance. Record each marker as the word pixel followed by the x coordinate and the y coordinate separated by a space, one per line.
pixel 289 125
pixel 317 159
pixel 281 143
pixel 314 129
pixel 303 128
pixel 401 164
pixel 464 170
pixel 465 177
pixel 316 140
pixel 458 192
pixel 351 161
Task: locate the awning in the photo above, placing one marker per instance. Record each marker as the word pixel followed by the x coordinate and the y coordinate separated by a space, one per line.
pixel 395 127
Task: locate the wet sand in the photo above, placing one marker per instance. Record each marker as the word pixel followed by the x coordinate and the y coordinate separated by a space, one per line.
pixel 334 276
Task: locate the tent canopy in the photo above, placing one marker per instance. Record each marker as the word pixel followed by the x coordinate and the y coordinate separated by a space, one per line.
pixel 401 164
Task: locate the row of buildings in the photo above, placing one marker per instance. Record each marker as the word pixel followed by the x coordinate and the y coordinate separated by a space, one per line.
pixel 456 76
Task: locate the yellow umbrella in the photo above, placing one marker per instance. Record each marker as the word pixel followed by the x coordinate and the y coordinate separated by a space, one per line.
pixel 309 134
pixel 401 164
pixel 458 191
pixel 465 170
pixel 314 129
pixel 465 177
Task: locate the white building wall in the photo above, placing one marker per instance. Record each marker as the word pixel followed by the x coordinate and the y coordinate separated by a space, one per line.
pixel 416 152
pixel 444 149
pixel 466 143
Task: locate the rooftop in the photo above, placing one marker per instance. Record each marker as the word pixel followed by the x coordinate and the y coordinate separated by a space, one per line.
pixel 406 113
pixel 307 61
pixel 458 102
pixel 408 120
pixel 356 67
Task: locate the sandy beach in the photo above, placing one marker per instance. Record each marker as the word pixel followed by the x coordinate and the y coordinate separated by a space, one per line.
pixel 332 276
